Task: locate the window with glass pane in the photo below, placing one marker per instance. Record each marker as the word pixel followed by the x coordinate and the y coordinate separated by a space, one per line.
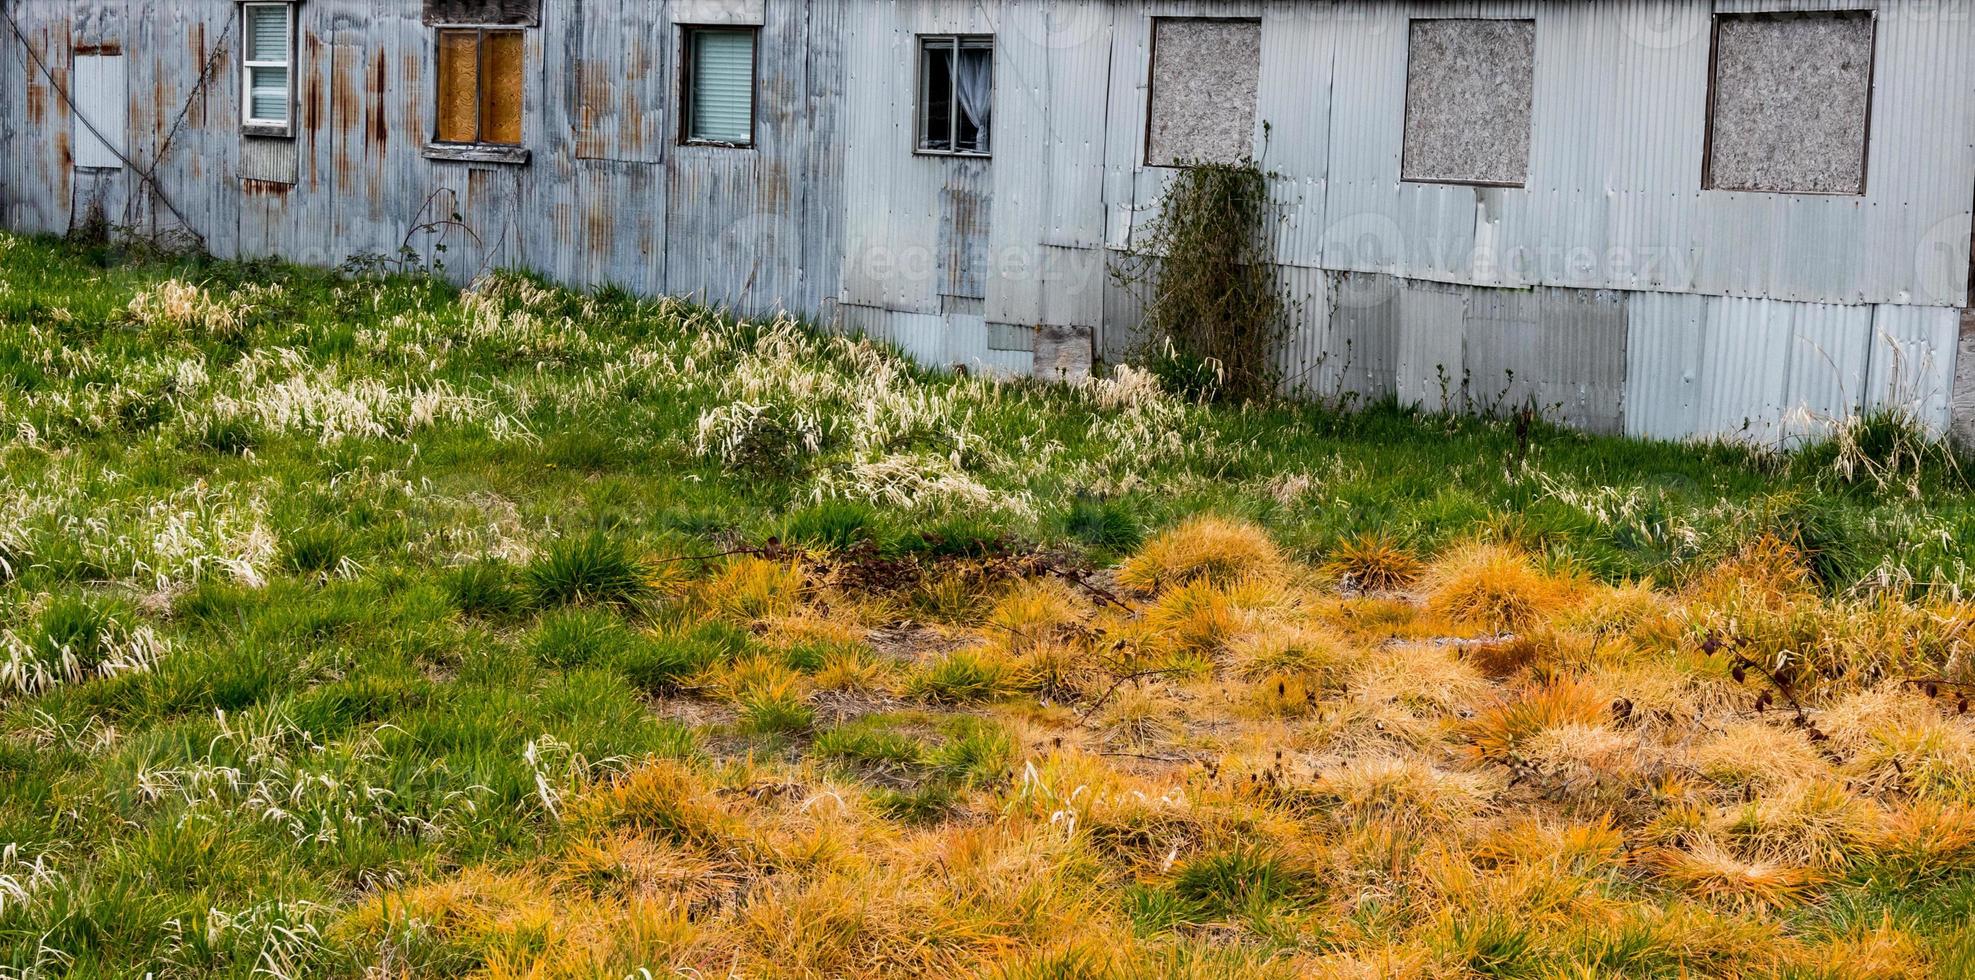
pixel 268 77
pixel 719 82
pixel 480 75
pixel 956 94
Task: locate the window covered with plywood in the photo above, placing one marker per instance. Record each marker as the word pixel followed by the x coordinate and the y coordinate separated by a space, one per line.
pixel 1470 84
pixel 1201 108
pixel 480 86
pixel 1791 102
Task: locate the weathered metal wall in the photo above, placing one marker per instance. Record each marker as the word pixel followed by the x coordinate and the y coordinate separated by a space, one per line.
pixel 1611 289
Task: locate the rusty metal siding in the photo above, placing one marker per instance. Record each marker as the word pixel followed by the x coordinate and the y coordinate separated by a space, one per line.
pixel 1611 286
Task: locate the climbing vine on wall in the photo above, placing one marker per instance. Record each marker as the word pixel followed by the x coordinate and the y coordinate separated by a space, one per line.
pixel 1204 268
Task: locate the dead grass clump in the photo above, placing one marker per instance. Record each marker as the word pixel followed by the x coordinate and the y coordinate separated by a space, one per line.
pixel 1058 671
pixel 1411 694
pixel 1617 610
pixel 1759 757
pixel 1214 549
pixel 1814 823
pixel 1140 716
pixel 1274 649
pixel 1198 619
pixel 176 306
pixel 1896 740
pixel 1766 567
pixel 1033 612
pixel 1373 563
pixel 1500 732
pixel 1923 839
pixel 751 589
pixel 1493 589
pixel 1710 873
pixel 855 669
pixel 1405 795
pixel 1584 763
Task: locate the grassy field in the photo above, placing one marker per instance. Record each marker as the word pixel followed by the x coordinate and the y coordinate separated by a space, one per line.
pixel 372 628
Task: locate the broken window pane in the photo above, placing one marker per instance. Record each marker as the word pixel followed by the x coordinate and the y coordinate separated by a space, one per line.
pixel 1202 105
pixel 1469 88
pixel 1792 102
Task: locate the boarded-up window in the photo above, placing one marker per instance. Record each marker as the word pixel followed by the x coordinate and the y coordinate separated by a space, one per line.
pixel 719 86
pixel 102 107
pixel 1202 104
pixel 1469 87
pixel 1792 102
pixel 480 75
pixel 484 13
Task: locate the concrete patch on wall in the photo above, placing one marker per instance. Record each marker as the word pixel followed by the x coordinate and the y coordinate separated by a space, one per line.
pixel 1469 88
pixel 1204 77
pixel 1062 353
pixel 1792 97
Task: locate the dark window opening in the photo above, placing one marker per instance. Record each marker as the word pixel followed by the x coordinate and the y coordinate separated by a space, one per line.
pixel 956 94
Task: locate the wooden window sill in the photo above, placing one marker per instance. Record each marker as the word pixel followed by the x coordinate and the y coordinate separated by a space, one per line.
pixel 478 153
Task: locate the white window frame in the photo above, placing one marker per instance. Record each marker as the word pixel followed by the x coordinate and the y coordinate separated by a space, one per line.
pixel 922 110
pixel 265 127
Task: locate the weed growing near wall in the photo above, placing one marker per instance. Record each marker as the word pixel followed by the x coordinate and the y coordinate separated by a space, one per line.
pixel 1214 313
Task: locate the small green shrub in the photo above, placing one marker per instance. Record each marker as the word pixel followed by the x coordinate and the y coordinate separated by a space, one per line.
pixel 833 525
pixel 589 568
pixel 960 677
pixel 1102 523
pixel 777 711
pixel 484 588
pixel 318 549
pixel 579 637
pixel 1241 882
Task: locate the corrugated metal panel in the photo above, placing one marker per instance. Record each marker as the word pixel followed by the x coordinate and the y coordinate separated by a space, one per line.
pixel 1663 365
pixel 1911 365
pixel 1742 306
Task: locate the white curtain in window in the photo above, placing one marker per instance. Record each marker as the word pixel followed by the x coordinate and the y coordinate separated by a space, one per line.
pixel 973 83
pixel 723 86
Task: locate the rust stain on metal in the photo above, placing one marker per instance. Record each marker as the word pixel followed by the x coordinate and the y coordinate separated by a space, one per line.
pixel 773 181
pixel 106 50
pixel 312 103
pixel 345 111
pixel 380 130
pixel 37 102
pixel 597 226
pixel 265 188
pixel 195 111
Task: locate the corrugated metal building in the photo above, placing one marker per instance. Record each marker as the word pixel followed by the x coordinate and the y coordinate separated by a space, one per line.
pixel 1661 217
